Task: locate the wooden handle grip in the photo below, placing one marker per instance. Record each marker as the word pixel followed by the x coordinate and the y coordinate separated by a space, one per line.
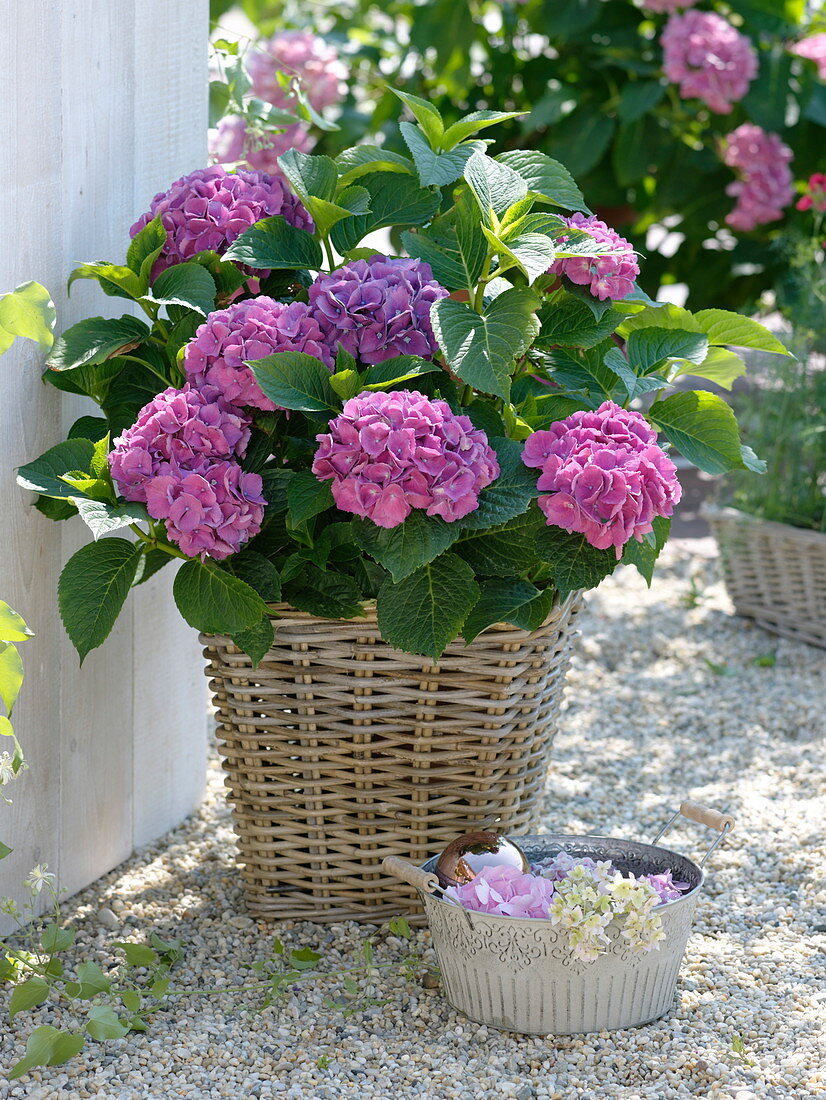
pixel 704 815
pixel 408 872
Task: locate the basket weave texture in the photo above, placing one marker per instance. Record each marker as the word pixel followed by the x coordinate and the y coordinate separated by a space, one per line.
pixel 775 573
pixel 340 750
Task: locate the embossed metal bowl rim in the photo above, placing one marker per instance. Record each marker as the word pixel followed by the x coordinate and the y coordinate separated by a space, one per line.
pixel 537 846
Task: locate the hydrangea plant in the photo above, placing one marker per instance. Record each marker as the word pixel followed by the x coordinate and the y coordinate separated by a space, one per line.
pixel 460 435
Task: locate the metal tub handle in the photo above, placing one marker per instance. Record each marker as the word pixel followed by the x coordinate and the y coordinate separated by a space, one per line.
pixel 703 815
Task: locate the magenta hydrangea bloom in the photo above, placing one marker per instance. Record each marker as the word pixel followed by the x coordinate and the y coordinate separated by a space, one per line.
pixel 248 330
pixel 210 511
pixel 388 453
pixel 378 308
pixel 813 48
pixel 178 428
pixel 231 142
pixel 209 208
pixel 610 276
pixel 301 54
pixel 604 474
pixel 708 58
pixel 506 891
pixel 667 5
pixel 764 188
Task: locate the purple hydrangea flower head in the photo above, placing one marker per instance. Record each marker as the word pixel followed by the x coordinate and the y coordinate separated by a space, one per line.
pixel 210 207
pixel 231 141
pixel 209 511
pixel 764 188
pixel 506 891
pixel 177 429
pixel 708 58
pixel 301 54
pixel 378 308
pixel 248 330
pixel 813 48
pixel 388 453
pixel 609 276
pixel 604 475
pixel 667 889
pixel 667 5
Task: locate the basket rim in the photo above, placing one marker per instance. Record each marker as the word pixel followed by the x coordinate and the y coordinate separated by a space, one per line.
pixel 714 512
pixel 533 922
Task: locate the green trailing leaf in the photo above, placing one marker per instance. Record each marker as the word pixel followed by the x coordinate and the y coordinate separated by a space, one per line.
pixel 329 595
pixel 55 939
pixel 481 349
pixel 425 611
pixel 643 555
pixel 95 340
pixel 274 244
pixel 723 327
pixel 395 200
pixel 437 169
pixel 138 954
pixel 296 381
pixel 11 674
pixel 102 518
pixel 12 626
pixel 495 186
pixel 499 600
pixel 546 178
pixel 647 348
pixel 307 497
pixel 92 589
pixel 568 322
pixel 189 285
pixel 573 562
pixel 702 428
pixel 256 641
pixel 214 601
pixel 47 1046
pixel 403 549
pixel 28 994
pixel 27 311
pixel 510 495
pixel 103 1023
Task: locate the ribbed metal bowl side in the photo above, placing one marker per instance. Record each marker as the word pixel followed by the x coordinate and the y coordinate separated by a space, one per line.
pixel 520 975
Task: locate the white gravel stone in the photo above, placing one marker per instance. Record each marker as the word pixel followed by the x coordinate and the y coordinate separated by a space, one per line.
pixel 647 722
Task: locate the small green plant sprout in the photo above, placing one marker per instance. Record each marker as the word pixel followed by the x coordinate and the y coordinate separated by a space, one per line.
pixel 323 1061
pixel 13 631
pixel 694 595
pixel 764 660
pixel 720 670
pixel 739 1051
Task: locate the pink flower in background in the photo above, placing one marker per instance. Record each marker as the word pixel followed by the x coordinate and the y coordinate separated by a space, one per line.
pixel 505 891
pixel 610 276
pixel 815 197
pixel 231 142
pixel 301 54
pixel 178 428
pixel 248 330
pixel 388 453
pixel 378 308
pixel 813 49
pixel 210 511
pixel 764 188
pixel 210 207
pixel 605 474
pixel 667 5
pixel 708 58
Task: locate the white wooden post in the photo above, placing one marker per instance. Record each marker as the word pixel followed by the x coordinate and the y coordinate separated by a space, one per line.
pixel 103 105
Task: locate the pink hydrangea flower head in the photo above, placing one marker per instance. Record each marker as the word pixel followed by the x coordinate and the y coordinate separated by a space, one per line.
pixel 608 276
pixel 667 5
pixel 249 330
pixel 813 48
pixel 815 197
pixel 209 511
pixel 378 308
pixel 505 891
pixel 388 453
pixel 179 428
pixel 231 141
pixel 604 475
pixel 708 58
pixel 764 187
pixel 210 207
pixel 301 54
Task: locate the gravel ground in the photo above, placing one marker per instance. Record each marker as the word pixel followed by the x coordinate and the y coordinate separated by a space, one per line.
pixel 648 721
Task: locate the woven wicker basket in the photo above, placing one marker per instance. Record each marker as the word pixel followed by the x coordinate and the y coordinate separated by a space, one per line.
pixel 775 573
pixel 340 750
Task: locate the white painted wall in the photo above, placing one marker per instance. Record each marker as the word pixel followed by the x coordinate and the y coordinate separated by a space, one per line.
pixel 103 105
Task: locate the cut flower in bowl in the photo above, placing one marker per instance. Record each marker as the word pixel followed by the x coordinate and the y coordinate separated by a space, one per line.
pixel 462 434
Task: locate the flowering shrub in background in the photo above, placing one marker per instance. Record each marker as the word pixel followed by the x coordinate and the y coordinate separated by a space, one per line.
pixel 300 419
pixel 764 188
pixel 635 97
